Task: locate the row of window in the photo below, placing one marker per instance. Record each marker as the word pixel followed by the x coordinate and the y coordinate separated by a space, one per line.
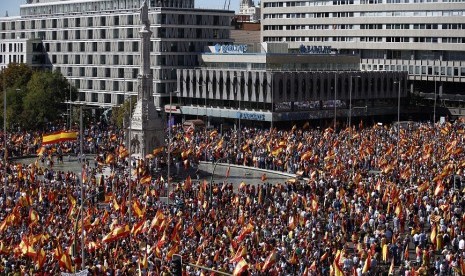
pixel 11 59
pixel 363 14
pixel 11 47
pixel 128 33
pixel 417 69
pixel 99 6
pixel 364 39
pixel 116 20
pixel 120 46
pixel 430 13
pixel 119 60
pixel 350 2
pixel 365 27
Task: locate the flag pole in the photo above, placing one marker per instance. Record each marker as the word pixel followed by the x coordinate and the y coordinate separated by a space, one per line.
pixel 81 145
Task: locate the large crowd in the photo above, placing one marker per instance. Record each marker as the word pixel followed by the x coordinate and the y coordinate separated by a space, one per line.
pixel 365 201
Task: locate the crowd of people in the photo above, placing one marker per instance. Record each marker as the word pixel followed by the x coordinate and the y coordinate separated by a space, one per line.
pixel 377 200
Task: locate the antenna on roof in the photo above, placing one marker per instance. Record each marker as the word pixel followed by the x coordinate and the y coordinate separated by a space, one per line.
pixel 6 14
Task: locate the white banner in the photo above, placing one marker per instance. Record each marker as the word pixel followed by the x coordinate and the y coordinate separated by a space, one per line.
pixel 80 273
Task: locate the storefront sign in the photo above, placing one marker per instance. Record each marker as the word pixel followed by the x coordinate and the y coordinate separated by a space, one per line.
pixel 230 49
pixel 172 108
pixel 315 49
pixel 252 116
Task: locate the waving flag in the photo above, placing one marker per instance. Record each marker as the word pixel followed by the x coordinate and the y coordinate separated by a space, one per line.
pixel 367 265
pixel 58 137
pixel 270 260
pixel 241 266
pixel 33 216
pixel 138 209
pixel 117 233
pixel 65 262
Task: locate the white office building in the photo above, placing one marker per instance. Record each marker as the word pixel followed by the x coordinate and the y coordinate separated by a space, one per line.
pixel 268 83
pixel 426 38
pixel 96 44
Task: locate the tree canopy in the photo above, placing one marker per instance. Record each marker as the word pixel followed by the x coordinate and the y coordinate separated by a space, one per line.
pixel 33 98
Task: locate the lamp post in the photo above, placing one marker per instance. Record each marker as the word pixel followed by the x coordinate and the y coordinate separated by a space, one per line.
pixel 129 151
pixel 272 103
pixel 350 105
pixel 69 104
pixel 204 84
pixel 169 145
pixel 80 217
pixel 435 96
pixel 335 100
pixel 398 121
pixel 5 153
pixel 211 178
pixel 238 113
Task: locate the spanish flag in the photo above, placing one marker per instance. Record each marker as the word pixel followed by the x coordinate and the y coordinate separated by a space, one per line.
pixel 241 266
pixel 423 187
pixel 33 216
pixel 58 137
pixel 65 262
pixel 270 260
pixel 117 233
pixel 367 265
pixel 337 266
pixel 138 209
pixel 433 234
pixel 40 259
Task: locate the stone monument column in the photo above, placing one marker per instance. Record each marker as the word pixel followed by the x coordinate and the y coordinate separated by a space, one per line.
pixel 147 131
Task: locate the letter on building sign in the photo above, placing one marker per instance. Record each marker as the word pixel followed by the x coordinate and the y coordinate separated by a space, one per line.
pixel 315 49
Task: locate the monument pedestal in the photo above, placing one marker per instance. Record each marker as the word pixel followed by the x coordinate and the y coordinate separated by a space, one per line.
pixel 147 129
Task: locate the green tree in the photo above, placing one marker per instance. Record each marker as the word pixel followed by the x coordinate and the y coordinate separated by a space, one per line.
pixel 44 101
pixel 120 113
pixel 13 81
pixel 15 75
pixel 14 107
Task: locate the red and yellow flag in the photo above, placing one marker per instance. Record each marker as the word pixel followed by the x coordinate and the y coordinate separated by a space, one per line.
pixel 117 233
pixel 433 234
pixel 146 179
pixel 241 266
pixel 367 265
pixel 337 266
pixel 33 216
pixel 270 260
pixel 65 262
pixel 58 137
pixel 40 259
pixel 138 228
pixel 138 210
pixel 241 252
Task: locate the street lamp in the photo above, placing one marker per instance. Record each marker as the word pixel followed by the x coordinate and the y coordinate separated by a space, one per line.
pixel 5 154
pixel 129 148
pixel 435 96
pixel 239 112
pixel 69 104
pixel 350 105
pixel 204 84
pixel 81 218
pixel 272 103
pixel 335 100
pixel 211 179
pixel 169 144
pixel 398 121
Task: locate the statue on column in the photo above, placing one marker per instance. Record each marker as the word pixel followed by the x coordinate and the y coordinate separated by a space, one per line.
pixel 144 14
